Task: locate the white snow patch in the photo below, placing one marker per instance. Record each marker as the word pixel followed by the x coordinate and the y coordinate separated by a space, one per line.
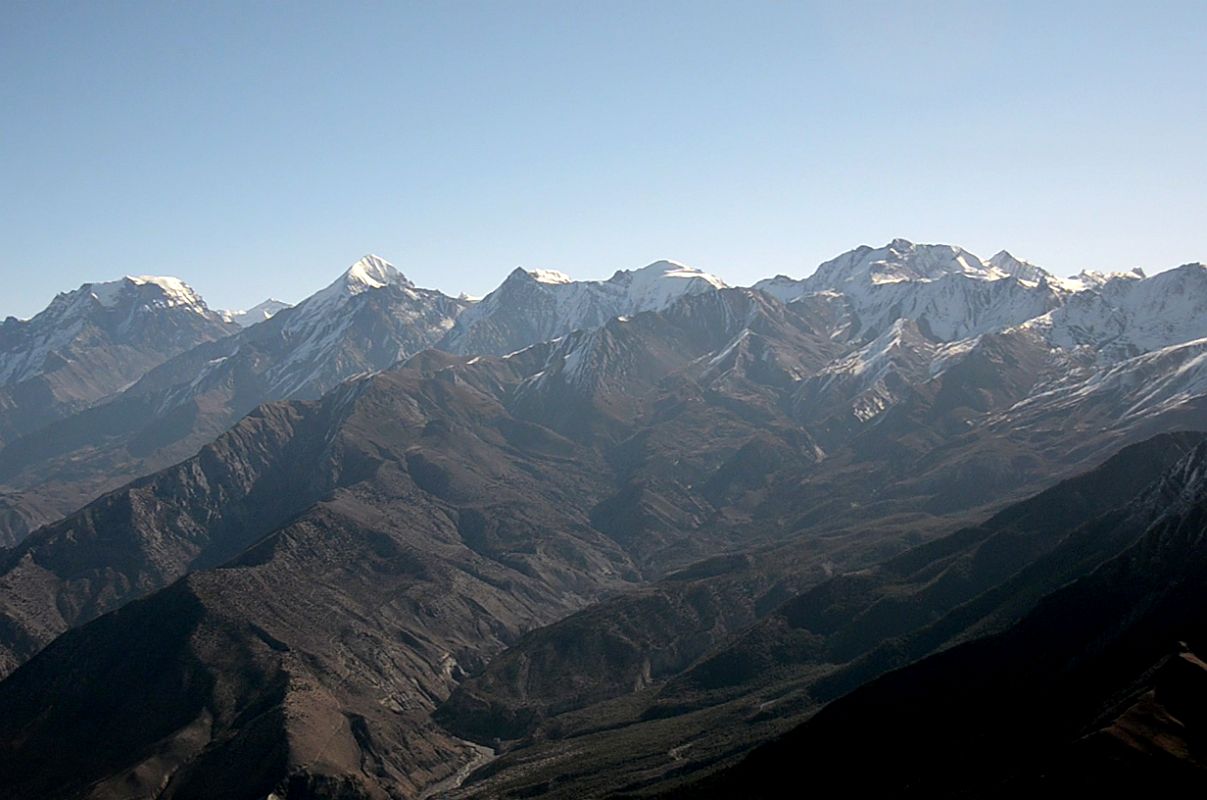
pixel 257 313
pixel 550 276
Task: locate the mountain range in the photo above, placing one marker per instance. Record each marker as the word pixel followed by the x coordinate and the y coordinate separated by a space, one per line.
pixel 367 320
pixel 93 342
pixel 606 538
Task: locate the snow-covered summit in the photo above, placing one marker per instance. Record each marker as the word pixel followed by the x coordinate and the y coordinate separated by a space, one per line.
pixel 550 276
pixel 536 305
pixel 1008 266
pixel 659 284
pixel 782 287
pixel 257 313
pixel 1093 279
pixel 949 291
pixel 1126 314
pixel 100 336
pixel 162 289
pixel 899 260
pixel 902 261
pixel 370 317
pixel 370 272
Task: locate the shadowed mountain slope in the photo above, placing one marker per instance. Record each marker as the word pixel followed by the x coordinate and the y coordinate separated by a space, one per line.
pixel 684 667
pixel 1098 688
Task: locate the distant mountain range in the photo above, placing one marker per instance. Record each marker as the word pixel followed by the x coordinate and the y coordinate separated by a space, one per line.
pixel 607 535
pixel 93 342
pixel 257 313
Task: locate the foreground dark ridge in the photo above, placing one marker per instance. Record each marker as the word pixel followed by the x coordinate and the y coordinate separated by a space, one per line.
pixel 1098 689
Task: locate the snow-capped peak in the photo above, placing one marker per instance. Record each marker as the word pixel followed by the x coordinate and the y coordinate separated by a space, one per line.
pixel 535 305
pixel 899 261
pixel 1009 266
pixel 673 270
pixel 152 314
pixel 372 272
pixel 1121 315
pixel 173 291
pixel 1093 279
pixel 657 285
pixel 257 313
pixel 174 288
pixel 951 292
pixel 369 273
pixel 550 276
pixel 368 318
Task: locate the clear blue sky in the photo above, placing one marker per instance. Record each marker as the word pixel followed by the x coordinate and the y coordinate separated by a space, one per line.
pixel 257 148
